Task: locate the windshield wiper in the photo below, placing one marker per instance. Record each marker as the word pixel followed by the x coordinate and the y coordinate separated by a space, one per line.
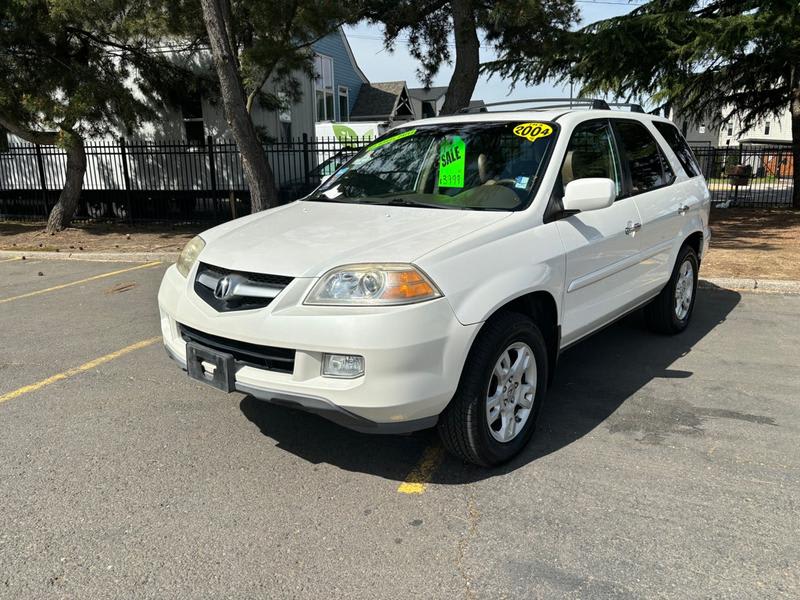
pixel 416 203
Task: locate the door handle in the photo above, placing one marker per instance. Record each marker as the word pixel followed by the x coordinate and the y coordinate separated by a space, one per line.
pixel 683 209
pixel 632 228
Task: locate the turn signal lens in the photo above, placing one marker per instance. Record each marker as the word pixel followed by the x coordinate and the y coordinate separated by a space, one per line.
pixel 373 284
pixel 407 285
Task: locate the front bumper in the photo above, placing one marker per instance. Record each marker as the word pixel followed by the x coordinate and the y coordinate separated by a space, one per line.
pixel 413 354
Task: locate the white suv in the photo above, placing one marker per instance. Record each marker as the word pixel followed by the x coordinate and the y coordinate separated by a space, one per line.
pixel 435 278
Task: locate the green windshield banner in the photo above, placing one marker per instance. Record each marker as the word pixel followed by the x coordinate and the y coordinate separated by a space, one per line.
pixel 452 161
pixel 394 138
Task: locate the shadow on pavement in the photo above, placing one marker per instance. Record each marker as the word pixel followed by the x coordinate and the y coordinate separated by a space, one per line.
pixel 594 379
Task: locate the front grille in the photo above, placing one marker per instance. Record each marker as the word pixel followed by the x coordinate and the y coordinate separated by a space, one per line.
pixel 263 288
pixel 244 353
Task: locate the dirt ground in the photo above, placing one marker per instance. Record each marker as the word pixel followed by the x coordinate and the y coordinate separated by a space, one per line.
pixel 758 244
pixel 96 237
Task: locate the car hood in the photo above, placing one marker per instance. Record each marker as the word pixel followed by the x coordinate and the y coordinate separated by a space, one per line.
pixel 305 239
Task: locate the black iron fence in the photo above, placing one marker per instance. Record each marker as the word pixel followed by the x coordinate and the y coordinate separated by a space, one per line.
pixel 176 181
pixel 748 176
pixel 162 181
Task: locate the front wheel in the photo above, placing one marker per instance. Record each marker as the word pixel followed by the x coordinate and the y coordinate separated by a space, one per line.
pixel 493 413
pixel 670 311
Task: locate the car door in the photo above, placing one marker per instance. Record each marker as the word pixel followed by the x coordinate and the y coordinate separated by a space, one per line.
pixel 660 201
pixel 601 245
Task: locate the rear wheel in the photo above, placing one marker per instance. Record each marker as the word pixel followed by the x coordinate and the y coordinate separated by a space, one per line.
pixel 670 311
pixel 493 413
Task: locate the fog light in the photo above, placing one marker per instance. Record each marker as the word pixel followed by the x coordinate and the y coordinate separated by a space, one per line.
pixel 344 366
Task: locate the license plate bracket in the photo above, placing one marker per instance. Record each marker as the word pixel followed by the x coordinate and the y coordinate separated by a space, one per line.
pixel 223 375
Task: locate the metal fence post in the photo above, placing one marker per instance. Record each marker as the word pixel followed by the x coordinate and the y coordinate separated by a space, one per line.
pixel 127 179
pixel 306 159
pixel 42 179
pixel 213 174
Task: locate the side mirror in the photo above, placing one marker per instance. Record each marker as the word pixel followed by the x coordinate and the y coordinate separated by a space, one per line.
pixel 591 193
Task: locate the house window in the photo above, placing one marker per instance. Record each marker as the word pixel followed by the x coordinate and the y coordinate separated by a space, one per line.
pixel 730 130
pixel 766 128
pixel 323 87
pixel 344 104
pixel 3 140
pixel 192 110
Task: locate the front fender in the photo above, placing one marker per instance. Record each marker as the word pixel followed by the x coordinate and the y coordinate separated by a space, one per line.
pixel 480 276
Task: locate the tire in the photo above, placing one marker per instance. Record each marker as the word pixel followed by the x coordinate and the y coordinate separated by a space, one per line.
pixel 464 427
pixel 665 314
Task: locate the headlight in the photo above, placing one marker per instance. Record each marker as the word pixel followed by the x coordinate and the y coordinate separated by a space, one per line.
pixel 189 255
pixel 371 284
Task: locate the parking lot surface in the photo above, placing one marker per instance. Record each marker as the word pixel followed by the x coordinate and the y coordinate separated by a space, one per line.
pixel 662 467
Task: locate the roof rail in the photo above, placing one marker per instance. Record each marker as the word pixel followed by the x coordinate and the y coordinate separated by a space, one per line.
pixel 594 103
pixel 637 108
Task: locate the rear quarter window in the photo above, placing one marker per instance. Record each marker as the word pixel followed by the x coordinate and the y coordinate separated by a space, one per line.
pixel 679 146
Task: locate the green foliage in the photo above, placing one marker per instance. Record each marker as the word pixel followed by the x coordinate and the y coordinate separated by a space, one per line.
pixel 701 56
pixel 271 39
pixel 73 66
pixel 506 26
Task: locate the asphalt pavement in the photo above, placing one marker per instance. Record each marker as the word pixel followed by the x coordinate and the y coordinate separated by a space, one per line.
pixel 663 467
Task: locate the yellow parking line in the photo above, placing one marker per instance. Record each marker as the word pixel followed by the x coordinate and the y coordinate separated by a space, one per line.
pixel 76 370
pixel 65 285
pixel 11 259
pixel 418 479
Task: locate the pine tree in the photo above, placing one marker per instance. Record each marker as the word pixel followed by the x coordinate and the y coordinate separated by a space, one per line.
pixel 66 72
pixel 502 25
pixel 735 59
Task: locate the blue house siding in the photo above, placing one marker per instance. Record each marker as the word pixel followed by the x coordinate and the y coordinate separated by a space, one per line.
pixel 345 71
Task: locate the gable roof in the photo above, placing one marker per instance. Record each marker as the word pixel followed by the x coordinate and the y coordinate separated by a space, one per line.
pixel 425 94
pixel 352 57
pixel 383 100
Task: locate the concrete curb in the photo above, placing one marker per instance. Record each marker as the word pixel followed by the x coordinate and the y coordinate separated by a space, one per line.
pixel 769 286
pixel 133 257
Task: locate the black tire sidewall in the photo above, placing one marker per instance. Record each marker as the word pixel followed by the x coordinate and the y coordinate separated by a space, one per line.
pixel 520 330
pixel 686 253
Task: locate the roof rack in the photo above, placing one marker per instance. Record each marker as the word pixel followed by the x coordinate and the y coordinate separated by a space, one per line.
pixel 637 108
pixel 549 103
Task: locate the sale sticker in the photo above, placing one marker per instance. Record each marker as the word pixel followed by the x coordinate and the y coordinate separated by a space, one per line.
pixel 533 131
pixel 452 161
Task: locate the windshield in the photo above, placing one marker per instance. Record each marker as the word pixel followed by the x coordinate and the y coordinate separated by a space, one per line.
pixel 478 166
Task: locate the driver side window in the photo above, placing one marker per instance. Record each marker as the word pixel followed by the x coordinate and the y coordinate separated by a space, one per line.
pixel 591 153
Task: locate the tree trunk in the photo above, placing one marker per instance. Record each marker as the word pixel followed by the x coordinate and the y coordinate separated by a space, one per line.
pixel 64 210
pixel 465 74
pixel 795 108
pixel 62 213
pixel 254 162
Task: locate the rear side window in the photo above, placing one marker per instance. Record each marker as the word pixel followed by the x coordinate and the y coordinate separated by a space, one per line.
pixel 649 167
pixel 680 148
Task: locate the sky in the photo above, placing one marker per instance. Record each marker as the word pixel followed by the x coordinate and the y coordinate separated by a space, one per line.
pixel 379 65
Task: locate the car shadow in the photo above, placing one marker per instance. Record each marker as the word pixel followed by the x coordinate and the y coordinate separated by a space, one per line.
pixel 594 379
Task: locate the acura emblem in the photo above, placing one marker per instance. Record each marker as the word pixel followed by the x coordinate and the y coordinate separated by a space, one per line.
pixel 224 288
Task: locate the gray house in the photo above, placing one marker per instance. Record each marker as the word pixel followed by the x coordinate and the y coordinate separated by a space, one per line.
pixel 384 101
